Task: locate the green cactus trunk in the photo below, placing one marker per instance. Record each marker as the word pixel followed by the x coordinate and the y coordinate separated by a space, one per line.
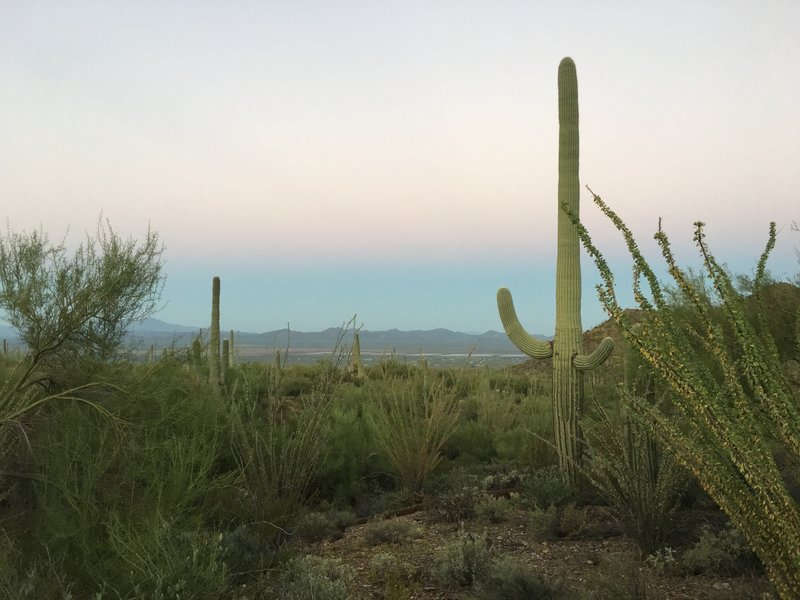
pixel 226 360
pixel 566 349
pixel 213 344
pixel 356 366
pixel 232 349
pixel 568 340
pixel 197 356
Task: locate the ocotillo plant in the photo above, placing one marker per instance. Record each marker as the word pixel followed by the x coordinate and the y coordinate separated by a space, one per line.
pixel 566 349
pixel 213 344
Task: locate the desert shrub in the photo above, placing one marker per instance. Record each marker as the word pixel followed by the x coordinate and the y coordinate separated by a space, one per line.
pixel 162 463
pixel 278 456
pixel 725 552
pixel 530 440
pixel 572 521
pixel 508 580
pixel 545 487
pixel 557 522
pixel 297 380
pixel 378 502
pixel 31 580
pixel 389 531
pixel 503 474
pixel 470 443
pixel 389 368
pixel 495 509
pixel 543 523
pixel 396 576
pixel 620 576
pixel 315 526
pixel 71 311
pixel 732 400
pixel 662 560
pixel 314 578
pixel 640 481
pixel 463 562
pixel 456 495
pixel 351 466
pixel 411 425
pixel 252 548
pixel 385 567
pixel 508 382
pixel 166 560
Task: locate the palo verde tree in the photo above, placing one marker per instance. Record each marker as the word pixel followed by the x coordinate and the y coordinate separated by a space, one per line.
pixel 66 307
pixel 735 406
pixel 566 349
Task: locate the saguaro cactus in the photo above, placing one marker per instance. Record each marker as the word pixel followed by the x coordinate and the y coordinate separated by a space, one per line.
pixel 566 349
pixel 213 344
pixel 356 367
pixel 226 360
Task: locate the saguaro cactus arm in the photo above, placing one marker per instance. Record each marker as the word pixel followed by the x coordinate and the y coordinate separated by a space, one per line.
pixel 516 332
pixel 587 362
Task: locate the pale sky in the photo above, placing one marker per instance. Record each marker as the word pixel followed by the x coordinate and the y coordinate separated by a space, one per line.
pixel 397 160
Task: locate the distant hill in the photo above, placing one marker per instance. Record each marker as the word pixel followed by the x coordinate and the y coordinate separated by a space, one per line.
pixel 154 331
pixel 434 341
pixel 152 325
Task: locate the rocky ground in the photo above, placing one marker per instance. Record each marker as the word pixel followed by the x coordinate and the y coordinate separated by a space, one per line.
pixel 600 564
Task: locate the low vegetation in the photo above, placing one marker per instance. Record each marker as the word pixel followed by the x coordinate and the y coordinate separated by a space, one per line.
pixel 124 479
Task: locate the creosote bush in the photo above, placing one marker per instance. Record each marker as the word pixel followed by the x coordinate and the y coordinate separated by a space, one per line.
pixel 463 562
pixel 508 580
pixel 390 531
pixel 314 577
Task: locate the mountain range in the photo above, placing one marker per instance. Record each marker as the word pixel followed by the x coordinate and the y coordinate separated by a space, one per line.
pixel 155 331
pixel 160 333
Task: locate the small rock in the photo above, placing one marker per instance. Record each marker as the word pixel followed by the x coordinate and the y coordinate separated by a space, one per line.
pixel 722 585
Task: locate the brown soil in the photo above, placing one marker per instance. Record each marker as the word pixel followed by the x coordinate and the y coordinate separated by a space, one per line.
pixel 600 559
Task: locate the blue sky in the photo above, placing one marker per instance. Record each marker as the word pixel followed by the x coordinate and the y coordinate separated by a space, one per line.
pixel 395 159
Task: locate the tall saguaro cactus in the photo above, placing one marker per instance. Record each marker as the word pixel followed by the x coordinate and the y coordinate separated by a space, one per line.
pixel 213 343
pixel 566 349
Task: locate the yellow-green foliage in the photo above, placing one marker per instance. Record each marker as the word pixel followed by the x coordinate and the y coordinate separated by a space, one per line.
pixel 736 407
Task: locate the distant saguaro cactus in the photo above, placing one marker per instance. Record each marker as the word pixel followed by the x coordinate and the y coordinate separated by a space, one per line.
pixel 226 360
pixel 566 349
pixel 232 349
pixel 213 344
pixel 197 355
pixel 356 366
